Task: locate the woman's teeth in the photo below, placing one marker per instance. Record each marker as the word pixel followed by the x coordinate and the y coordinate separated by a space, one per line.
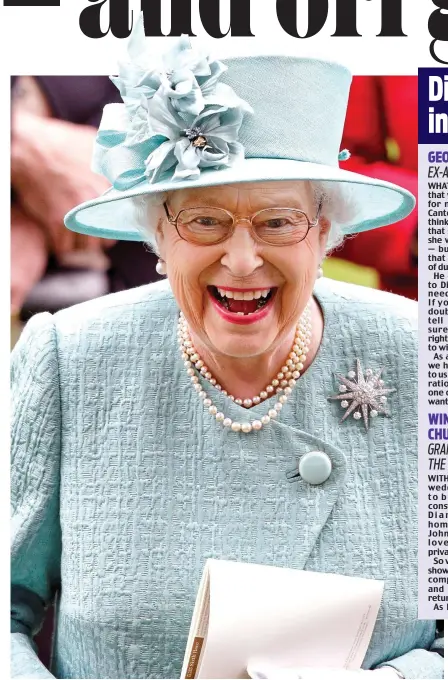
pixel 246 295
pixel 242 302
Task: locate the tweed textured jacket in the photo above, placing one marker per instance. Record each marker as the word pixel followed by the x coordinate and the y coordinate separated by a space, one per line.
pixel 123 484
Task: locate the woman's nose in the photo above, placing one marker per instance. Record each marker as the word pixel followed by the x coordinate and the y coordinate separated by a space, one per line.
pixel 241 252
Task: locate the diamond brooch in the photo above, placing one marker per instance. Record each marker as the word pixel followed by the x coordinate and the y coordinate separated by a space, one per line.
pixel 363 394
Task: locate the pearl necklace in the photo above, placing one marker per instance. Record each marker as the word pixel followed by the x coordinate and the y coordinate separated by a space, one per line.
pixel 282 384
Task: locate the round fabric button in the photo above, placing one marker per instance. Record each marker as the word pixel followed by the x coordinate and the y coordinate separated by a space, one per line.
pixel 315 467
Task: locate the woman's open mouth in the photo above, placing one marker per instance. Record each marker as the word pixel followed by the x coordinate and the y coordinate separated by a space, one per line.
pixel 242 306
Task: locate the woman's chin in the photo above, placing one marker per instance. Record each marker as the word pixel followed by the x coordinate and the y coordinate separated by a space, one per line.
pixel 239 335
pixel 239 341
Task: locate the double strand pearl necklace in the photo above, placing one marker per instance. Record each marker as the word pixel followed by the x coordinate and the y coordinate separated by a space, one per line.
pixel 282 384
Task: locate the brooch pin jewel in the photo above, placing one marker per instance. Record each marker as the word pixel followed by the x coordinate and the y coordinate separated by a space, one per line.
pixel 196 137
pixel 363 394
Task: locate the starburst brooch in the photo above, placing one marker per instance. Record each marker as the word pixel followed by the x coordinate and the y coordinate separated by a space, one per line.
pixel 363 394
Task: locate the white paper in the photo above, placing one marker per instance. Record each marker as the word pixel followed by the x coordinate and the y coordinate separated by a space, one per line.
pixel 281 617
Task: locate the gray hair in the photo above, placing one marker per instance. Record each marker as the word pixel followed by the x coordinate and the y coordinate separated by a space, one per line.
pixel 336 207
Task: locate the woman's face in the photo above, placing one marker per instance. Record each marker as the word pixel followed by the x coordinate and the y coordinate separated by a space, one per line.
pixel 242 266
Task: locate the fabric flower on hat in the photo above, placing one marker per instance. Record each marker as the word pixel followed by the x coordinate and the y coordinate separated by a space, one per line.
pixel 186 75
pixel 187 71
pixel 209 140
pixel 176 117
pixel 136 80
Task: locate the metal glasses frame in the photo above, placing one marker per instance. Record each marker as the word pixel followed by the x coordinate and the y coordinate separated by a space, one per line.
pixel 173 220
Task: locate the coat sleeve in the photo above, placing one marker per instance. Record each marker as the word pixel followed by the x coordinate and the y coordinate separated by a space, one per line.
pixel 35 455
pixel 421 663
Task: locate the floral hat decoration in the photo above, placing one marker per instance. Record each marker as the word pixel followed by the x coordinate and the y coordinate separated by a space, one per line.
pixel 181 118
pixel 190 120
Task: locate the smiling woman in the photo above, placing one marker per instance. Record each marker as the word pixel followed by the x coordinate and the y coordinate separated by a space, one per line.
pixel 242 260
pixel 246 408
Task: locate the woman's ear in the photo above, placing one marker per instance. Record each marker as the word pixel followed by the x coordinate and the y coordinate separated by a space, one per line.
pixel 324 231
pixel 160 238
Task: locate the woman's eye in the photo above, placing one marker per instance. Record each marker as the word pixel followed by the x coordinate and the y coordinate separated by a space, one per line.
pixel 277 223
pixel 206 221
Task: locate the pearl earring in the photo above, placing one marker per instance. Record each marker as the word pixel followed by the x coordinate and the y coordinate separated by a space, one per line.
pixel 161 267
pixel 320 272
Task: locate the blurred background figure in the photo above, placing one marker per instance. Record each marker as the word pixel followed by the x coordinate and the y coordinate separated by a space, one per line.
pixel 54 122
pixel 381 134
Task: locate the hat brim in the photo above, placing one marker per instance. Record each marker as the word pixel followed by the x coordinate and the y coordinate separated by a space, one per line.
pixel 371 203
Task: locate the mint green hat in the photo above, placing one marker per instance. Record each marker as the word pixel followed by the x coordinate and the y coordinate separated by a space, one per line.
pixel 189 121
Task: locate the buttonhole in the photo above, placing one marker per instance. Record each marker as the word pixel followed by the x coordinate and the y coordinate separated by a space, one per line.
pixel 293 475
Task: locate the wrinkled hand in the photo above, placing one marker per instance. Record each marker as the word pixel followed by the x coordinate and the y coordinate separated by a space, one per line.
pixel 265 672
pixel 50 171
pixel 28 256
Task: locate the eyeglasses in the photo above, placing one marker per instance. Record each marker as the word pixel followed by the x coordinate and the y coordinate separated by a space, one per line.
pixel 208 226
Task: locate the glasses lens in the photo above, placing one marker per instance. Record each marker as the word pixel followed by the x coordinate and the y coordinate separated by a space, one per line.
pixel 280 226
pixel 204 225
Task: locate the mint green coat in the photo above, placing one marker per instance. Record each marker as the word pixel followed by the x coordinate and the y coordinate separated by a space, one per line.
pixel 123 484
